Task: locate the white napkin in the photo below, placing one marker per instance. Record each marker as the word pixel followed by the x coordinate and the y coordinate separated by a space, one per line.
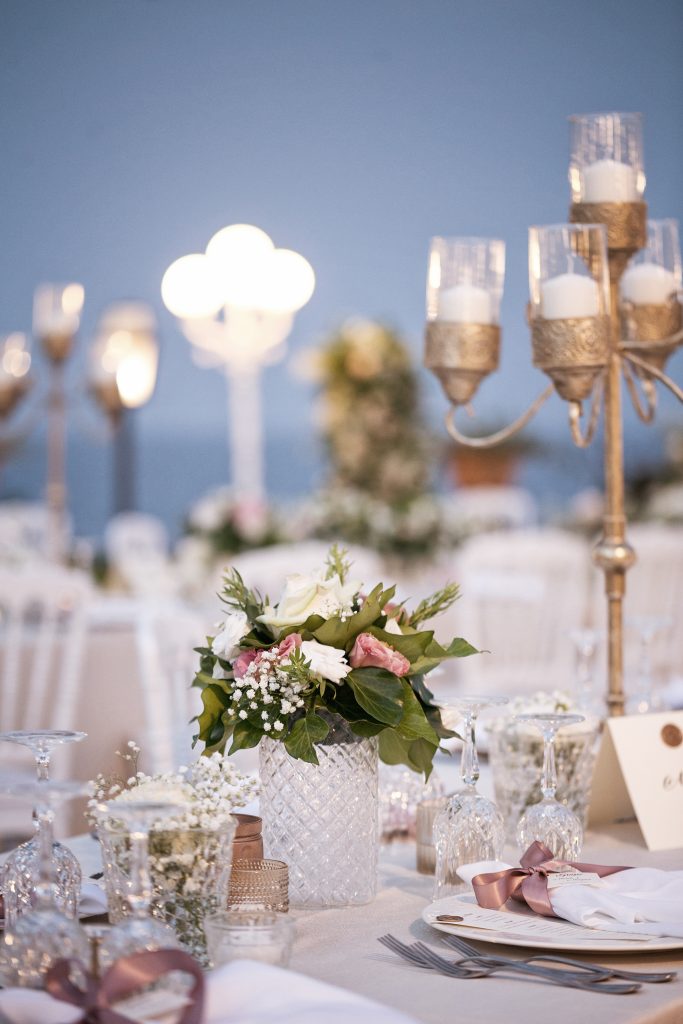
pixel 646 901
pixel 242 992
pixel 93 900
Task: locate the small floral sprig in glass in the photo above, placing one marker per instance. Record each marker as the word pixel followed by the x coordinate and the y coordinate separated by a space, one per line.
pixel 326 647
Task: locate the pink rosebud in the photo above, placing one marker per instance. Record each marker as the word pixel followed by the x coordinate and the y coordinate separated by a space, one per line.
pixel 369 652
pixel 288 644
pixel 243 661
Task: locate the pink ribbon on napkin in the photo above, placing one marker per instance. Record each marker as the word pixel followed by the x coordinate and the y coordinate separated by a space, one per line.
pixel 122 979
pixel 529 882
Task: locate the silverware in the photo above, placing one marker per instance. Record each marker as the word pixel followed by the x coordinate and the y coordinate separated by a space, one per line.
pixel 653 977
pixel 422 956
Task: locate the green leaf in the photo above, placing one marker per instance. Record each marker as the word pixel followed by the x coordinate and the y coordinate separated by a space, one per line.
pixel 416 754
pixel 379 693
pixel 341 634
pixel 414 724
pixel 411 645
pixel 245 735
pixel 305 733
pixel 365 728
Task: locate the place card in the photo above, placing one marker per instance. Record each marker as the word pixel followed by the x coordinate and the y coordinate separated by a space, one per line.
pixel 639 773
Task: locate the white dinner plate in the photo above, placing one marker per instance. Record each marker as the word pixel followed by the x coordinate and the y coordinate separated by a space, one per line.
pixel 510 926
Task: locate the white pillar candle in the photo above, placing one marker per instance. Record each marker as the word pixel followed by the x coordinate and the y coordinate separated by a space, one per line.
pixel 609 181
pixel 465 304
pixel 569 295
pixel 647 284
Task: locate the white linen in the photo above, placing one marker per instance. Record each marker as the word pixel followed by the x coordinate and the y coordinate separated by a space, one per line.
pixel 93 900
pixel 242 992
pixel 645 901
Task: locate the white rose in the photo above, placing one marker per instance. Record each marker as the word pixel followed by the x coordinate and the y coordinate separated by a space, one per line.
pixel 235 626
pixel 325 661
pixel 310 595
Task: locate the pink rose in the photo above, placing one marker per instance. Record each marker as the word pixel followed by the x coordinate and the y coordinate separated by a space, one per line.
pixel 288 644
pixel 243 661
pixel 369 652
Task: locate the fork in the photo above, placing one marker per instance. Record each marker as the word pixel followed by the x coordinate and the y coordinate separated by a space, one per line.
pixel 598 970
pixel 422 956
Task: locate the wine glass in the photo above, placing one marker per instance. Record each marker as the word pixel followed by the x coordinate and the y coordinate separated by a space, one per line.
pixel 140 931
pixel 20 871
pixel 43 934
pixel 470 827
pixel 586 642
pixel 549 821
pixel 648 626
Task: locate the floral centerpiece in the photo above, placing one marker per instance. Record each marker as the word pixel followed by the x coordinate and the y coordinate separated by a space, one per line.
pixel 190 852
pixel 228 525
pixel 324 681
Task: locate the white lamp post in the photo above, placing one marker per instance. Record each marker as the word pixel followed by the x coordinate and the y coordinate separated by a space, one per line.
pixel 236 304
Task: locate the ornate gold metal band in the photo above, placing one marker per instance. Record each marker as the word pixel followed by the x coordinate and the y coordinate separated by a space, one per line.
pixel 572 352
pixel 626 223
pixel 651 330
pixel 461 355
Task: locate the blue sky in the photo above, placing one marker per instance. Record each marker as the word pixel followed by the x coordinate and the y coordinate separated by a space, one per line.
pixel 351 131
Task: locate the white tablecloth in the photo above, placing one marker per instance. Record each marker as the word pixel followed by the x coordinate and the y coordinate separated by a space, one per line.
pixel 340 947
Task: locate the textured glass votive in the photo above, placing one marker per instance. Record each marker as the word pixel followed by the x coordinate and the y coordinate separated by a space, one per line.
pixel 265 882
pixel 426 853
pixel 248 933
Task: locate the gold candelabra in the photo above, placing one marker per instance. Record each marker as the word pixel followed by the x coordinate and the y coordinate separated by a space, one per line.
pixel 605 305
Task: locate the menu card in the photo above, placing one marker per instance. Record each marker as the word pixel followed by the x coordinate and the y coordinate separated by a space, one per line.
pixel 639 773
pixel 508 924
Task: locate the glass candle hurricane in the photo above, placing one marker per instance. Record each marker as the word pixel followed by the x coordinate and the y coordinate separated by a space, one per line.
pixel 465 280
pixel 653 277
pixel 56 317
pixel 606 162
pixel 568 271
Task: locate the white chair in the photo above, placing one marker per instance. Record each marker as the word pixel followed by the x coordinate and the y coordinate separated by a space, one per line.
pixel 492 508
pixel 24 532
pixel 654 589
pixel 136 546
pixel 42 630
pixel 165 637
pixel 522 593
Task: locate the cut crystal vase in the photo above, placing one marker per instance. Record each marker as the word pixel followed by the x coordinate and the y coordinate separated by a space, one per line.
pixel 322 820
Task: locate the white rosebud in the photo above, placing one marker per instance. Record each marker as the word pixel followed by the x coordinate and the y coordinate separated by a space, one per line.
pixel 235 626
pixel 325 661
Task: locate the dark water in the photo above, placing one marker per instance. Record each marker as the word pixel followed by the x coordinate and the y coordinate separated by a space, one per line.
pixel 173 470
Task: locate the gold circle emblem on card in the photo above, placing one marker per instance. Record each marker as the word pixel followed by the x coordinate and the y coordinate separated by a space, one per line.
pixel 672 735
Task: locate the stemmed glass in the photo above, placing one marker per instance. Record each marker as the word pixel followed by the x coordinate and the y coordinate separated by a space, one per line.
pixel 645 699
pixel 140 931
pixel 20 871
pixel 470 828
pixel 43 934
pixel 586 643
pixel 549 821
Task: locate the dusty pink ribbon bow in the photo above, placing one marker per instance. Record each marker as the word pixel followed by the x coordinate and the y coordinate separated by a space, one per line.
pixel 126 976
pixel 529 883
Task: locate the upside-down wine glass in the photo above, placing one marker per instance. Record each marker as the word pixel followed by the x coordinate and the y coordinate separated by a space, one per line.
pixel 549 821
pixel 43 934
pixel 140 931
pixel 470 828
pixel 21 869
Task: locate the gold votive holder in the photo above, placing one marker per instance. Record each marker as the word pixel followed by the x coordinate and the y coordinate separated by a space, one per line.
pixel 424 833
pixel 573 352
pixel 260 881
pixel 651 331
pixel 461 356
